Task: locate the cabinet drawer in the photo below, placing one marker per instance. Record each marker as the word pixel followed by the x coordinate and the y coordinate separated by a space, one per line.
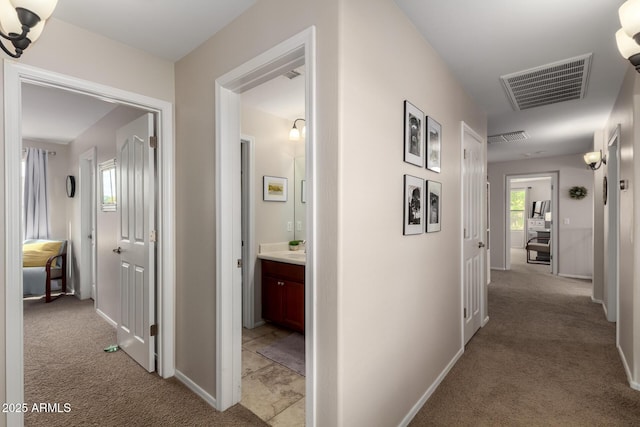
pixel 284 270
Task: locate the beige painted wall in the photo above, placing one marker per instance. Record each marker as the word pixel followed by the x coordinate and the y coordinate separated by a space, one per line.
pixel 598 223
pixel 625 113
pixel 575 255
pixel 69 50
pixel 399 296
pixel 274 156
pixel 263 26
pixel 57 174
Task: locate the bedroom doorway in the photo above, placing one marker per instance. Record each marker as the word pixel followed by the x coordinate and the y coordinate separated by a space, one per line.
pixel 14 77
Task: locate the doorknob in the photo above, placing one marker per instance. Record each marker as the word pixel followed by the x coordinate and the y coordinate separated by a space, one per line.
pixel 118 250
pixel 480 244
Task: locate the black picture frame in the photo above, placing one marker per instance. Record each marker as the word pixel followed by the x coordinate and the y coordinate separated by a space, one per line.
pixel 434 206
pixel 413 203
pixel 71 186
pixel 414 135
pixel 434 144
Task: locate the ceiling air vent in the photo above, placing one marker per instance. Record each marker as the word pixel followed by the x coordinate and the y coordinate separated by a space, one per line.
pixel 507 137
pixel 291 74
pixel 548 84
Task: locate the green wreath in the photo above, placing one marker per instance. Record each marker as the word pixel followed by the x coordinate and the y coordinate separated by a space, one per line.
pixel 577 192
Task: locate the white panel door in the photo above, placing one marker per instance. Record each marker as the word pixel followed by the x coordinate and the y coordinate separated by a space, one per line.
pixel 135 180
pixel 473 247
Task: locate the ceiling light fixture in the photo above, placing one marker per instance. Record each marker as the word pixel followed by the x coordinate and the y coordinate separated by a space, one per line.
pixel 595 159
pixel 22 22
pixel 628 37
pixel 294 133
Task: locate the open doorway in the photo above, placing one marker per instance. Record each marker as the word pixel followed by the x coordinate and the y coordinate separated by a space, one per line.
pixel 273 382
pixel 16 77
pixel 531 206
pixel 289 55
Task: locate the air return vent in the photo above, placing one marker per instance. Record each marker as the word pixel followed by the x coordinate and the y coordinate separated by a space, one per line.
pixel 548 84
pixel 507 137
pixel 291 74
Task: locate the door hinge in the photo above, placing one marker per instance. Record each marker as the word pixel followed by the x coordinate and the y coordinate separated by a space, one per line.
pixel 153 236
pixel 153 141
pixel 465 313
pixel 464 153
pixel 153 330
pixel 239 263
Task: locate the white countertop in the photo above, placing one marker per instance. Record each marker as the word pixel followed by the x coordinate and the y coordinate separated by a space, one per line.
pixel 289 257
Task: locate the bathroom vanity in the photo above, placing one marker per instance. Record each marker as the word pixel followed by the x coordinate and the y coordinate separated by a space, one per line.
pixel 283 294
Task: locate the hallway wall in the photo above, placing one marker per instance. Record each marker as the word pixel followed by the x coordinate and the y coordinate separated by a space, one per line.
pixel 574 239
pixel 626 113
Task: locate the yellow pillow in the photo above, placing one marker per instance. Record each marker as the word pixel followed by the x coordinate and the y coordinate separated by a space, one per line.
pixel 37 254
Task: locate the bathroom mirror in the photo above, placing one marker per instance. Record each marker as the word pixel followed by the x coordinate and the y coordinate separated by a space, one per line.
pixel 300 204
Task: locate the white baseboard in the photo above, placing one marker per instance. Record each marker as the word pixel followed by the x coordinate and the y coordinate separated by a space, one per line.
pixel 499 268
pixel 107 318
pixel 597 301
pixel 416 408
pixel 259 323
pixel 575 276
pixel 196 388
pixel 484 322
pixel 633 384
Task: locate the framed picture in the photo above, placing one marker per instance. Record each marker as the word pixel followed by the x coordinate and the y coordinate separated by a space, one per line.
pixel 413 205
pixel 413 135
pixel 434 206
pixel 275 189
pixel 434 143
pixel 303 188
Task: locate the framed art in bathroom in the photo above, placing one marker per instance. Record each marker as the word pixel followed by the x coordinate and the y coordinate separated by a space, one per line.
pixel 413 135
pixel 434 144
pixel 434 206
pixel 413 205
pixel 275 189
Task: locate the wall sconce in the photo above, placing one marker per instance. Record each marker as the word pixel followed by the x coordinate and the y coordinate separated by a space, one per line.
pixel 22 22
pixel 628 37
pixel 294 133
pixel 595 159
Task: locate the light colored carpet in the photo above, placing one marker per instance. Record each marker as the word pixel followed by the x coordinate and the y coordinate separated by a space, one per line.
pixel 65 363
pixel 287 351
pixel 546 357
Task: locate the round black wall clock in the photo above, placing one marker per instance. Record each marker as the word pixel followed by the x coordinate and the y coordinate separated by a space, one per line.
pixel 71 185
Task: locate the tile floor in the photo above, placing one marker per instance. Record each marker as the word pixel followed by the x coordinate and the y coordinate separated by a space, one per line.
pixel 269 390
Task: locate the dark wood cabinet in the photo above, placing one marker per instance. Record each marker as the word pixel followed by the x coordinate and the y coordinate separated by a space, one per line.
pixel 283 294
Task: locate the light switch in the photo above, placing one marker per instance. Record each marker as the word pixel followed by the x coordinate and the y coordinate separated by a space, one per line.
pixel 298 225
pixel 566 221
pixel 290 226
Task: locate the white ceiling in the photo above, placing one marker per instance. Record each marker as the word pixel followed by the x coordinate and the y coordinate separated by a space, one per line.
pixel 483 40
pixel 59 116
pixel 281 97
pixel 479 40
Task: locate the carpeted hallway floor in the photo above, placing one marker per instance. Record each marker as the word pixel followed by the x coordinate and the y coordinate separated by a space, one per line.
pixel 546 357
pixel 65 363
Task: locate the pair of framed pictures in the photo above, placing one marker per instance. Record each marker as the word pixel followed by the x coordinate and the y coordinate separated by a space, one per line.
pixel 422 205
pixel 422 143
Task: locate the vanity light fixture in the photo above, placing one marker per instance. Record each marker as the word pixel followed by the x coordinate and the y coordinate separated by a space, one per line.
pixel 594 159
pixel 22 22
pixel 628 37
pixel 294 133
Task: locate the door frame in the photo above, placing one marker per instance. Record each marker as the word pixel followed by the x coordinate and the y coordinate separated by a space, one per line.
pixel 295 51
pixel 248 231
pixel 14 75
pixel 612 243
pixel 484 315
pixel 554 175
pixel 88 214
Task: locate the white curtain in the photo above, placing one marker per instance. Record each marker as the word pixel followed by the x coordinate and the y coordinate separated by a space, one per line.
pixel 36 195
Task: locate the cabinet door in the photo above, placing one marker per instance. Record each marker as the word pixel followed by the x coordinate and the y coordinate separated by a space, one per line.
pixel 272 290
pixel 293 305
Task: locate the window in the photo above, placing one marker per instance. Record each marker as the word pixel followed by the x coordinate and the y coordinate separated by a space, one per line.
pixel 108 185
pixel 517 205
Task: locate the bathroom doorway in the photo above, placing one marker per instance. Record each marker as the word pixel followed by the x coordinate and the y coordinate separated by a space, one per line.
pixel 286 56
